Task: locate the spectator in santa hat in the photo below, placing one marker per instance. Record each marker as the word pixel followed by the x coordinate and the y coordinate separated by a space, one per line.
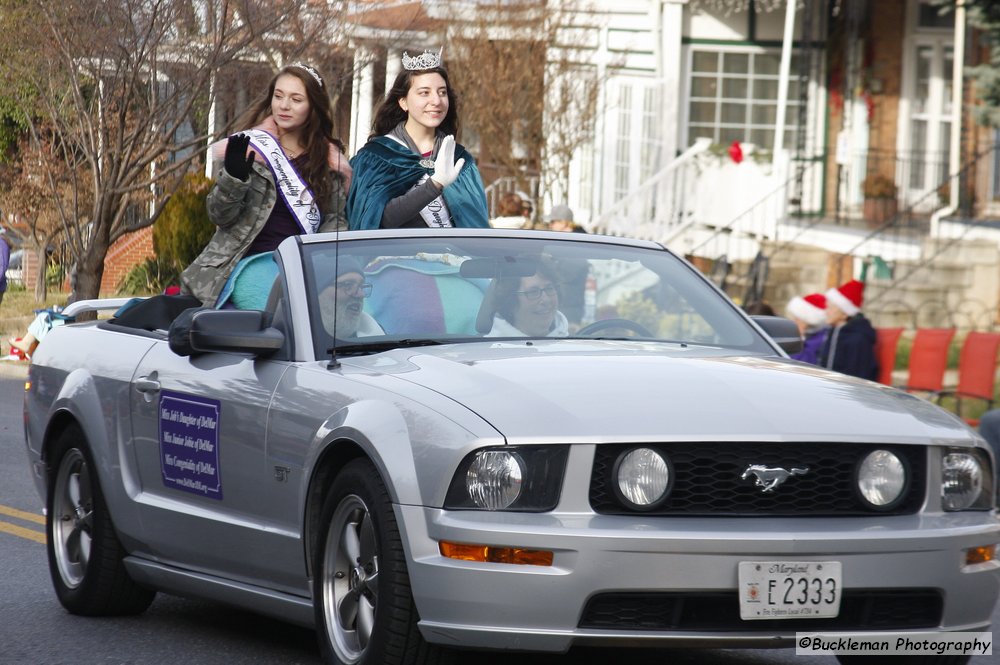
pixel 850 343
pixel 809 314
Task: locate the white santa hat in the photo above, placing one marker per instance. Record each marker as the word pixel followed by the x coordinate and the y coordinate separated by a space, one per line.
pixel 847 297
pixel 810 309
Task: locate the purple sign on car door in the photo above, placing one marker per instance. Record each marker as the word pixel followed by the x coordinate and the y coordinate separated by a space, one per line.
pixel 189 444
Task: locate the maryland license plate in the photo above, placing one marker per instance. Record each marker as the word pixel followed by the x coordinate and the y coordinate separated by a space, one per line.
pixel 789 589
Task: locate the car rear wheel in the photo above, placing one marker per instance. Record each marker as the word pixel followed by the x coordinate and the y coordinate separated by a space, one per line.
pixel 85 556
pixel 364 609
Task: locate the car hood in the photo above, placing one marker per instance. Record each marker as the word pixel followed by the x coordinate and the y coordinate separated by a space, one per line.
pixel 622 391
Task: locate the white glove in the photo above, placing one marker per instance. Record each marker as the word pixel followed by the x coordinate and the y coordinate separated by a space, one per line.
pixel 445 167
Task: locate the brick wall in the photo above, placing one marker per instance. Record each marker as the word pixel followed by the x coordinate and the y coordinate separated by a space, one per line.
pixel 129 250
pixel 126 252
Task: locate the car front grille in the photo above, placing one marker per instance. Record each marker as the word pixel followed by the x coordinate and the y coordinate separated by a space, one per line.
pixel 707 479
pixel 870 609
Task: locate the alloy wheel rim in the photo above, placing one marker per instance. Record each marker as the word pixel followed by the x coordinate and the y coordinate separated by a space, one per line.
pixel 350 579
pixel 73 518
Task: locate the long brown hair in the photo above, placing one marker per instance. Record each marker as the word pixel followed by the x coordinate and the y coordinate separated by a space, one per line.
pixel 390 113
pixel 317 132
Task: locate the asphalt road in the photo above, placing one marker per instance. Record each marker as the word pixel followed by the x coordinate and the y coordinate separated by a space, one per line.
pixel 35 630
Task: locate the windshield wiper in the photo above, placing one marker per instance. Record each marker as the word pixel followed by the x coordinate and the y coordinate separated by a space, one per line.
pixel 363 348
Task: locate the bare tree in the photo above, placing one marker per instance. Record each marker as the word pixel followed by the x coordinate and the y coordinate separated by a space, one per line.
pixel 124 86
pixel 30 181
pixel 529 98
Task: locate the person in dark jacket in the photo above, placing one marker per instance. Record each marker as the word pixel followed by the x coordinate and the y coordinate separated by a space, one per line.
pixel 850 343
pixel 809 314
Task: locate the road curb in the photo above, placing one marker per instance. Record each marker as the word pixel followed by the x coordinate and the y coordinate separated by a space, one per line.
pixel 14 368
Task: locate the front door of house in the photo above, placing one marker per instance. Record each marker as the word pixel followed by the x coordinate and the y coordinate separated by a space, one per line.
pixel 923 161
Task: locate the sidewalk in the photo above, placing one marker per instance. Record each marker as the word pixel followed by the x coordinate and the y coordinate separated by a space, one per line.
pixel 14 368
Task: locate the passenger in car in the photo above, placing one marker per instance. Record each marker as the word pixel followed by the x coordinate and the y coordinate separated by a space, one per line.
pixel 285 175
pixel 528 306
pixel 342 300
pixel 411 173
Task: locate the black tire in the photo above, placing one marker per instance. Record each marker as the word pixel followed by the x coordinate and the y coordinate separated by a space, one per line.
pixel 365 613
pixel 85 556
pixel 904 660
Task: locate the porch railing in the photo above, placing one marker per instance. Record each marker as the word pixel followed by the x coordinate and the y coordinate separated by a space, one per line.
pixel 972 218
pixel 659 206
pixel 527 184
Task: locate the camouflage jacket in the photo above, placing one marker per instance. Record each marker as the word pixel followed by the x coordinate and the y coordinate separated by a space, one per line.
pixel 240 209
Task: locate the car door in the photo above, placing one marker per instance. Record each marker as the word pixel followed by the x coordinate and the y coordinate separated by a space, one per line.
pixel 206 488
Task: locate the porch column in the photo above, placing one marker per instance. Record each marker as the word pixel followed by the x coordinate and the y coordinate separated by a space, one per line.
pixel 361 98
pixel 786 60
pixel 671 73
pixel 957 93
pixel 212 102
pixel 393 63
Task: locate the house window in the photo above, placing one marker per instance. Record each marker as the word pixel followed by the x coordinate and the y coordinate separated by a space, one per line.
pixel 930 119
pixel 929 15
pixel 734 97
pixel 623 146
pixel 636 134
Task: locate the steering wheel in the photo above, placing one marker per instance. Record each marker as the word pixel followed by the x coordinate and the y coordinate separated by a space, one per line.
pixel 604 324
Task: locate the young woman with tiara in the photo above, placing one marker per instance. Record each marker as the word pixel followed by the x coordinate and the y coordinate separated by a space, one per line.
pixel 411 173
pixel 285 174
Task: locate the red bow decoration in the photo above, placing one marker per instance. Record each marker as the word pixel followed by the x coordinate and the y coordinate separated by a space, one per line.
pixel 735 152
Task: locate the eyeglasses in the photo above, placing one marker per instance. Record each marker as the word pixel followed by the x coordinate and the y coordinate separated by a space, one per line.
pixel 535 293
pixel 352 288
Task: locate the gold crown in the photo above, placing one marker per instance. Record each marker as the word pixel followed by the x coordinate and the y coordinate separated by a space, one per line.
pixel 426 60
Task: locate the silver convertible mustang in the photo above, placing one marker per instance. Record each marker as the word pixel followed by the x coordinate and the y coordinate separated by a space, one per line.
pixel 415 441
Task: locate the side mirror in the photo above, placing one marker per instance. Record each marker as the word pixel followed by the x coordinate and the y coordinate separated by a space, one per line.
pixel 783 331
pixel 224 330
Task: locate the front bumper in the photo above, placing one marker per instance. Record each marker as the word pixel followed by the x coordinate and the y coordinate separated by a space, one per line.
pixel 503 606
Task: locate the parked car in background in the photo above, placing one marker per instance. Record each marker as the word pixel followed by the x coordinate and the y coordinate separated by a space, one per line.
pixel 412 447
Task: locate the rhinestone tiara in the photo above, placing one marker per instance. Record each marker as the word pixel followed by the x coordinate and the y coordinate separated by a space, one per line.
pixel 426 60
pixel 310 69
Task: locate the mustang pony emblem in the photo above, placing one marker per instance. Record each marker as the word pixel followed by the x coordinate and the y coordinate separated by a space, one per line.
pixel 769 478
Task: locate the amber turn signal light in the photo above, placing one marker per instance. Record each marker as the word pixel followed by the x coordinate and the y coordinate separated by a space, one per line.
pixel 980 554
pixel 490 554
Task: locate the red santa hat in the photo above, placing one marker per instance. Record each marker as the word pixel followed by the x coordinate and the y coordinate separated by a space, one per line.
pixel 847 297
pixel 810 309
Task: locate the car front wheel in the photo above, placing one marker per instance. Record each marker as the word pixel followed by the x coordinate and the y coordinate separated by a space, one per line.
pixel 85 556
pixel 364 609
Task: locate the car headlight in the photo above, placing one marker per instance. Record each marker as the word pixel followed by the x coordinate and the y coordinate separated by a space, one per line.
pixel 494 479
pixel 966 480
pixel 882 479
pixel 518 478
pixel 642 478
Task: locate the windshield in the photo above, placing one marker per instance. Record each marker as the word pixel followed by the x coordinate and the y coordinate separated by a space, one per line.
pixel 373 294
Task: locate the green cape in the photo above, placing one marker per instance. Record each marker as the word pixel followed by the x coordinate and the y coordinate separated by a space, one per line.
pixel 384 169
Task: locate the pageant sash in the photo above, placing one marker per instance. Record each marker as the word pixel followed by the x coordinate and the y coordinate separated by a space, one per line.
pixel 296 193
pixel 435 214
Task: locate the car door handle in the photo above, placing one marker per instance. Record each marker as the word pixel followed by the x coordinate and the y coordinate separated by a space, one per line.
pixel 147 385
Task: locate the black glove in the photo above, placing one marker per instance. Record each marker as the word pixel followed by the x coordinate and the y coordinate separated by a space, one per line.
pixel 237 162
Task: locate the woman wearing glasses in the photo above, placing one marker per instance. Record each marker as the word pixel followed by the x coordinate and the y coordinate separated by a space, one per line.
pixel 529 306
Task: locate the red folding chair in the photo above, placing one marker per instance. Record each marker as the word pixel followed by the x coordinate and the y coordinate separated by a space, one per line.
pixel 928 360
pixel 977 371
pixel 886 342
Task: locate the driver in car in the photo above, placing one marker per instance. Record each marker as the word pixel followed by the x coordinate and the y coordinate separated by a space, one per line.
pixel 342 301
pixel 529 306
